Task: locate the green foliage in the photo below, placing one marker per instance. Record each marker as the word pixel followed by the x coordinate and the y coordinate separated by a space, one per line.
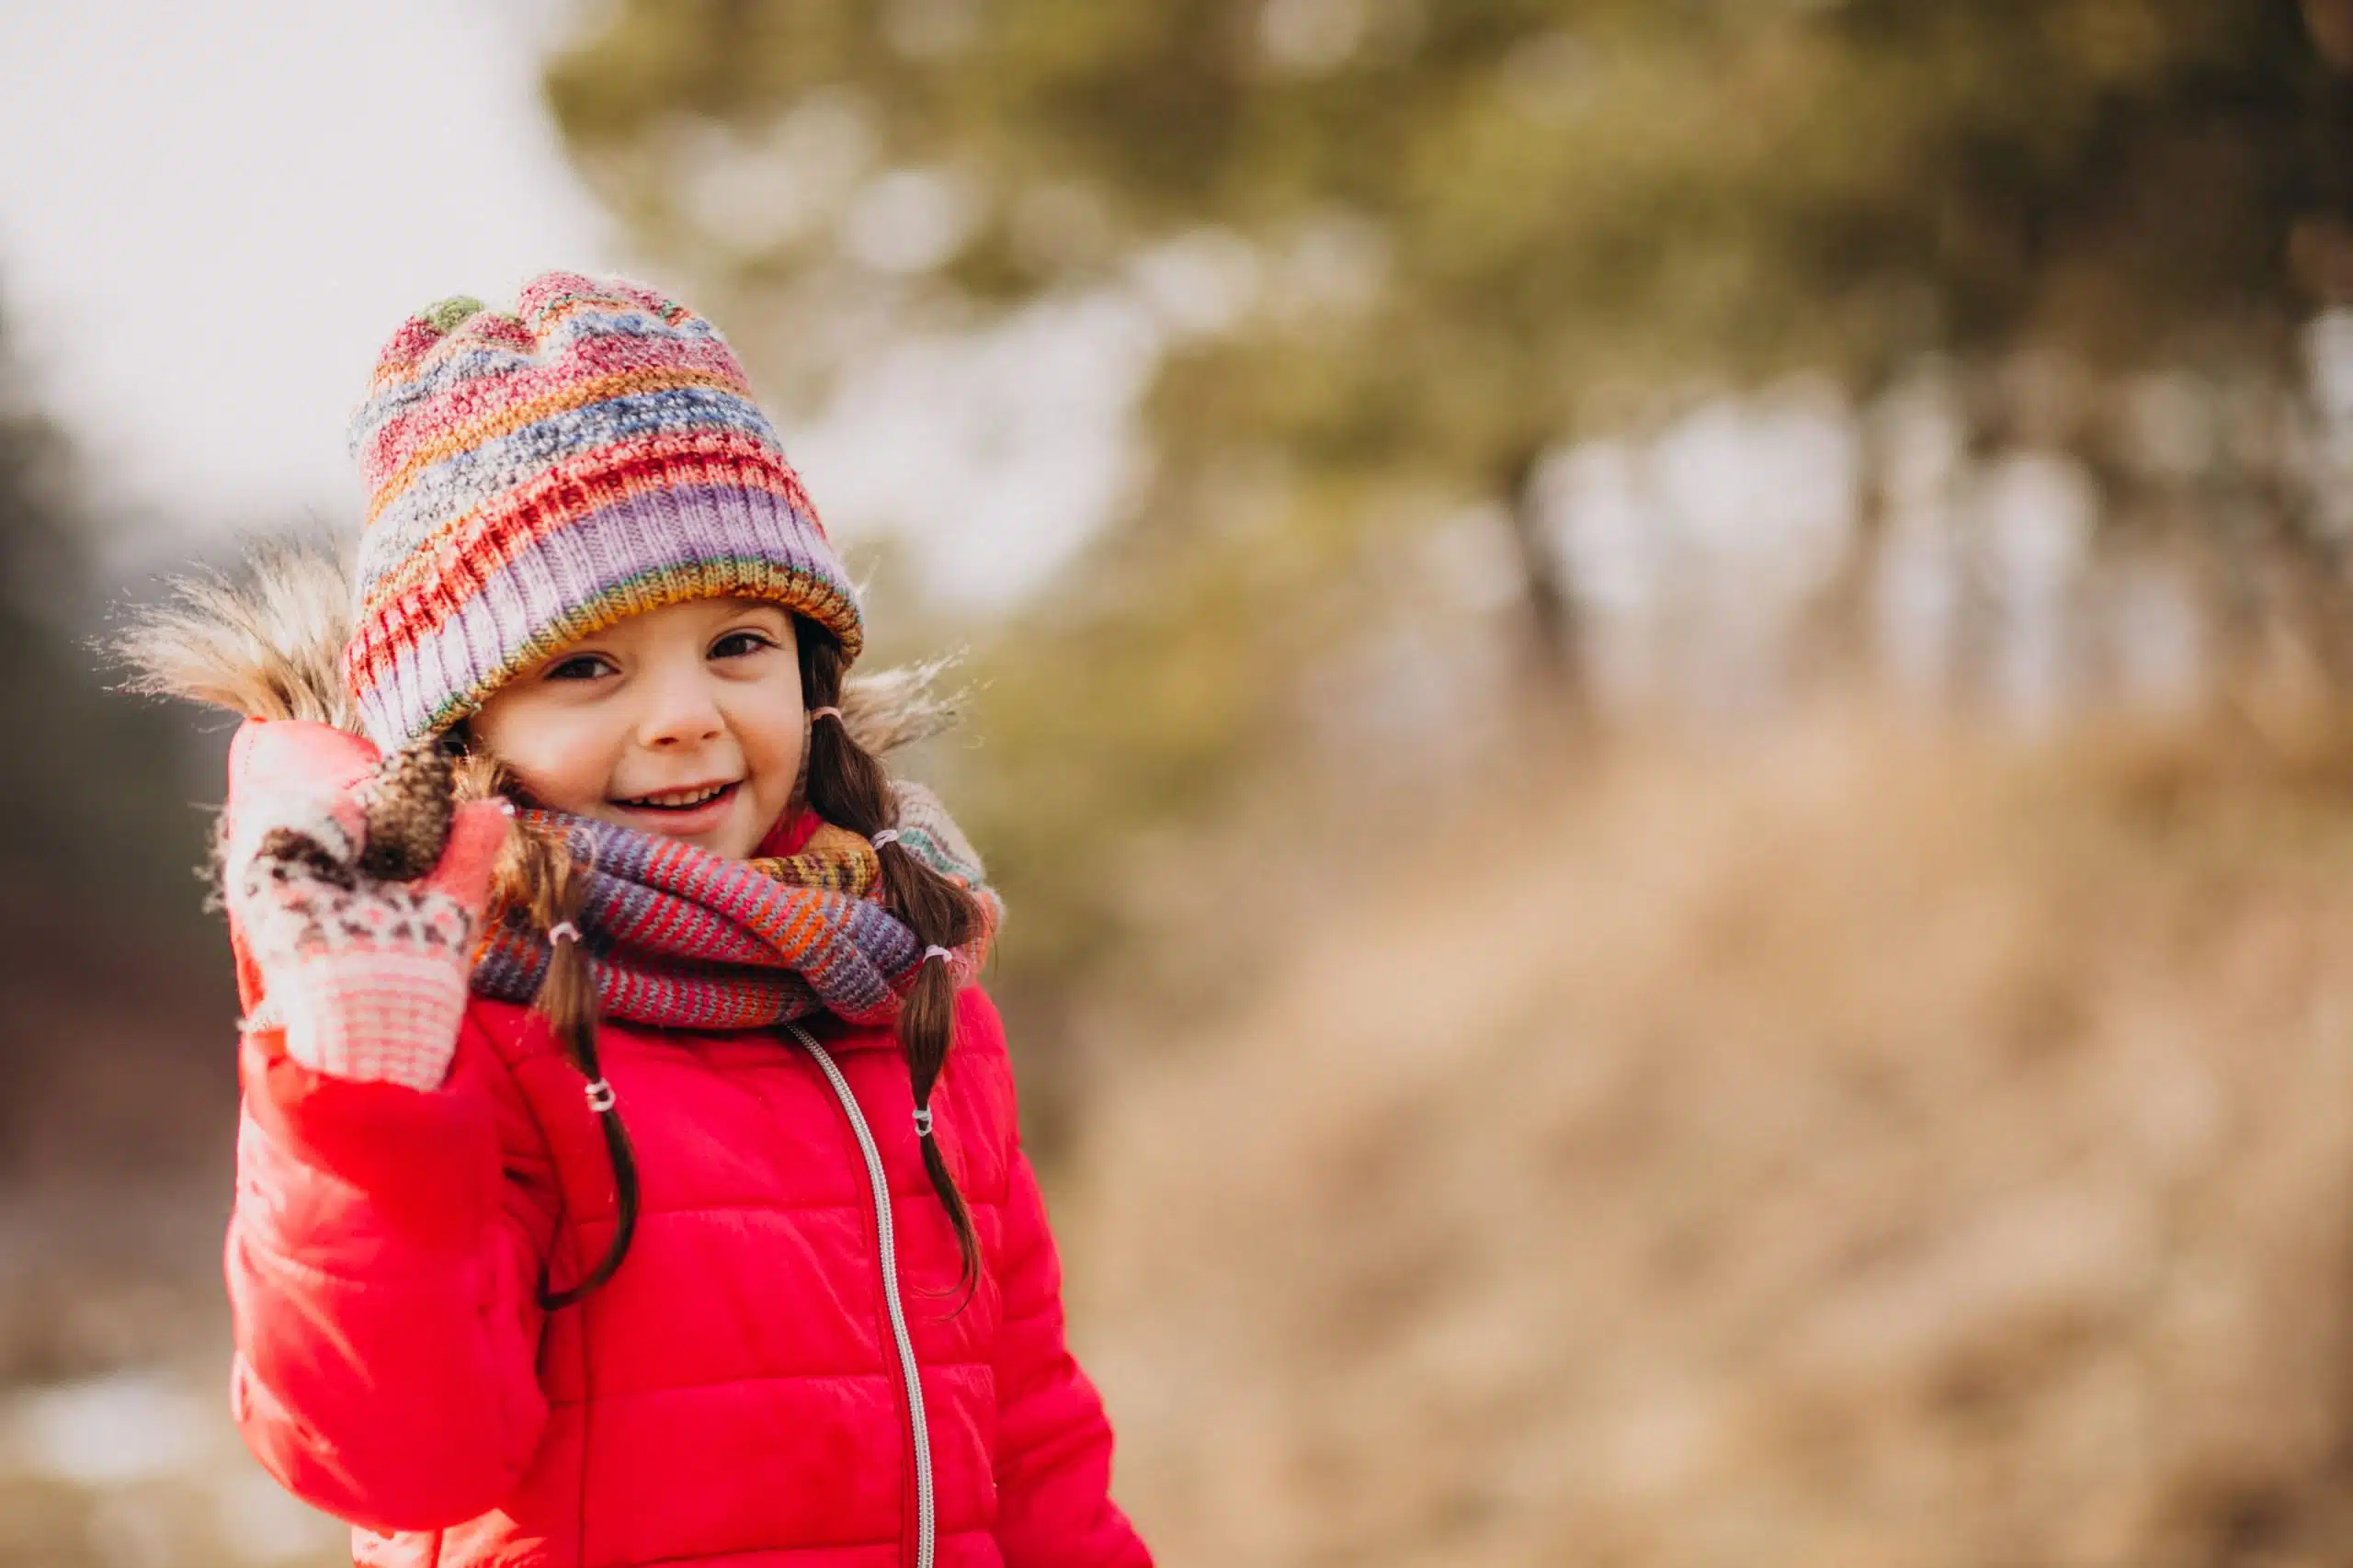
pixel 1475 226
pixel 1573 185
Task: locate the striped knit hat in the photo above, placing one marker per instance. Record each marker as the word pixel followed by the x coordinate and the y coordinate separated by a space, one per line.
pixel 535 477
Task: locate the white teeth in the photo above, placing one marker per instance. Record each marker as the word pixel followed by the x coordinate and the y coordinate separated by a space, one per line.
pixel 680 797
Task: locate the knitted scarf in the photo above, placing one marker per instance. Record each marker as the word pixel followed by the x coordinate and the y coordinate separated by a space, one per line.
pixel 684 939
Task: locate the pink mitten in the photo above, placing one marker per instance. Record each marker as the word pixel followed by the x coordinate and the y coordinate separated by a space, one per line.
pixel 367 977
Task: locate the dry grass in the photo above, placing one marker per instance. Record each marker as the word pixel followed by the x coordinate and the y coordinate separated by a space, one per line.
pixel 1857 1147
pixel 1862 1148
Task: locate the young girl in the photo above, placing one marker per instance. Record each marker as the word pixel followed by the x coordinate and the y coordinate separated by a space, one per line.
pixel 628 1171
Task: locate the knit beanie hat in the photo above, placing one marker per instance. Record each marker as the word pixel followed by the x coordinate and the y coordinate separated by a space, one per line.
pixel 537 476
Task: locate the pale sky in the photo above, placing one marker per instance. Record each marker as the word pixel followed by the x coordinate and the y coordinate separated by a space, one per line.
pixel 212 214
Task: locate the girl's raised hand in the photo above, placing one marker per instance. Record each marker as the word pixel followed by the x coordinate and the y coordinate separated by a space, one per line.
pixel 367 975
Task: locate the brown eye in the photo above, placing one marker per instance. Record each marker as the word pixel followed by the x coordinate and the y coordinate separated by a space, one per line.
pixel 739 645
pixel 580 666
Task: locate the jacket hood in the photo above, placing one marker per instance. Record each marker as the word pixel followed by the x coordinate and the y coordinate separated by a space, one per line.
pixel 266 642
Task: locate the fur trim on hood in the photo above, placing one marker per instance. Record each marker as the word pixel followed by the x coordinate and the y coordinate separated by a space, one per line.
pixel 267 642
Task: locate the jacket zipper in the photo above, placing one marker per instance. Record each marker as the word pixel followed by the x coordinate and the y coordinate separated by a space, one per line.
pixel 917 1428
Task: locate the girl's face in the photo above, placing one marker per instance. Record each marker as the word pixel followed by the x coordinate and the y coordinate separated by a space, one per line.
pixel 684 721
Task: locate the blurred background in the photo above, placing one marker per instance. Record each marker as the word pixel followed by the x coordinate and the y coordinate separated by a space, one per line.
pixel 1661 689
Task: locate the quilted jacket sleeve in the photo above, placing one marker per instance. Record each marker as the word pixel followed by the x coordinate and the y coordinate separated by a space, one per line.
pixel 382 1264
pixel 1053 1460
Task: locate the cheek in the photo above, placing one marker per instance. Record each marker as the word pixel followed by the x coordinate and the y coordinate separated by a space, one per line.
pixel 768 722
pixel 558 759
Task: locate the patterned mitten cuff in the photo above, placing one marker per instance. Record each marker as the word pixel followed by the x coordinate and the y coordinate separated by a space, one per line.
pixel 368 980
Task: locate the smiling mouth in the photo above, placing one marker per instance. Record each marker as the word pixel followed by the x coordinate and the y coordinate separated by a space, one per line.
pixel 679 800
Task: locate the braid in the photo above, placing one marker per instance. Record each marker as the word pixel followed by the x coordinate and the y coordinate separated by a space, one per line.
pixel 847 786
pixel 535 874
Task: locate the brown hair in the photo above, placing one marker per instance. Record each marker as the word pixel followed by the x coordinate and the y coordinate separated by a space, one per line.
pixel 846 786
pixel 535 874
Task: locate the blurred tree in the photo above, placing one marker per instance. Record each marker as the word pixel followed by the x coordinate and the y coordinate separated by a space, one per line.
pixel 100 828
pixel 110 971
pixel 1420 244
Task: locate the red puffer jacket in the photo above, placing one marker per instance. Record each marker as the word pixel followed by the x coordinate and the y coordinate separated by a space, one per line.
pixel 735 1394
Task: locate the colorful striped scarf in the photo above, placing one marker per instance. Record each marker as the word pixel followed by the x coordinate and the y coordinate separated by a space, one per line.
pixel 684 939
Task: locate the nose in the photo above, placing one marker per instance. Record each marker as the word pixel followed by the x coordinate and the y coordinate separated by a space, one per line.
pixel 680 712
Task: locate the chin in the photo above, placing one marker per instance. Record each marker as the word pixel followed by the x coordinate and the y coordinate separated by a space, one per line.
pixel 718 840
